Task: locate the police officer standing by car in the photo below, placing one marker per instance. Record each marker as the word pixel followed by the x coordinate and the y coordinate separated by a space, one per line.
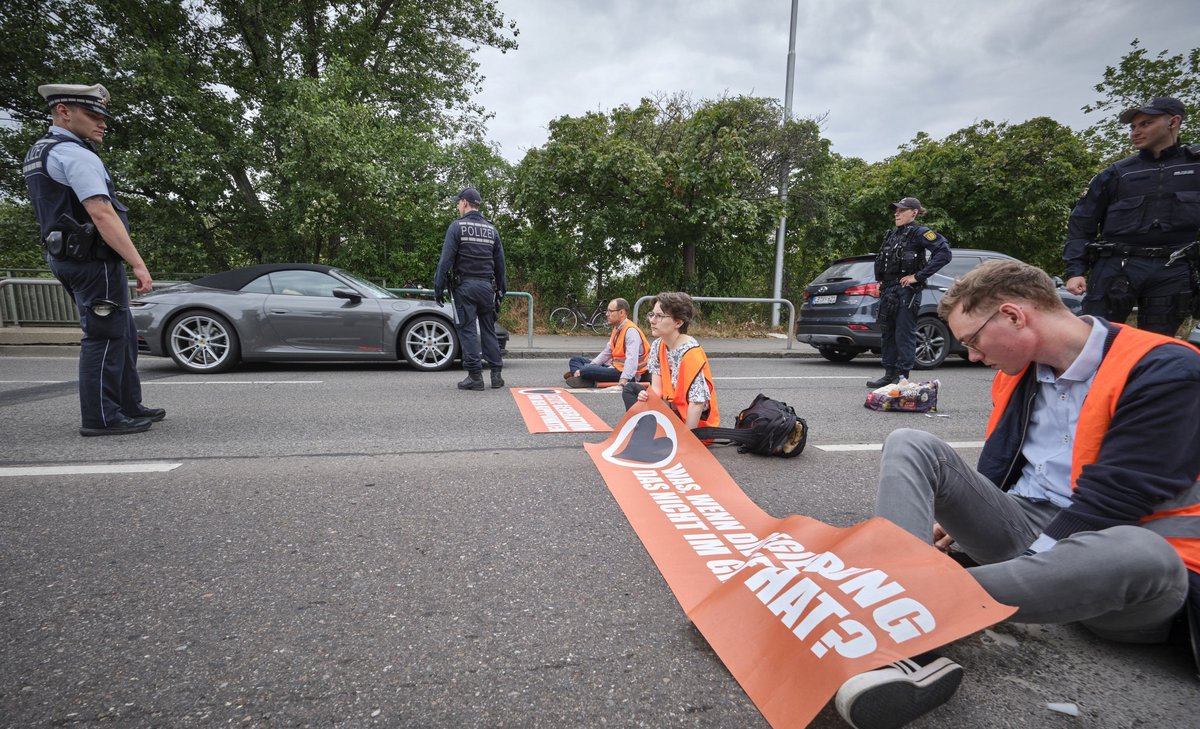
pixel 910 254
pixel 85 231
pixel 472 251
pixel 1147 208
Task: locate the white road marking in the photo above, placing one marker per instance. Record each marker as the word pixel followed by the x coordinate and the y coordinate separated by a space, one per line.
pixel 795 377
pixel 879 446
pixel 86 469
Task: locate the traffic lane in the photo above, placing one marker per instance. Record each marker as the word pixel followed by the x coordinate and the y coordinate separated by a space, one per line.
pixel 257 505
pixel 356 409
pixel 323 590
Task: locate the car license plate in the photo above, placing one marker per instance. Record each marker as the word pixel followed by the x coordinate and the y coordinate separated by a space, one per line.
pixel 818 300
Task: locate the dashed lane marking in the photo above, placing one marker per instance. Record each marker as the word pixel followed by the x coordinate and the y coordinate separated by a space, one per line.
pixel 83 469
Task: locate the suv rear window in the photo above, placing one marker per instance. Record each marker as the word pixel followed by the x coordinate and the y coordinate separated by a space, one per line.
pixel 848 271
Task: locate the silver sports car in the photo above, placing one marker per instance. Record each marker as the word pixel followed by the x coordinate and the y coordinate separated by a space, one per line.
pixel 292 311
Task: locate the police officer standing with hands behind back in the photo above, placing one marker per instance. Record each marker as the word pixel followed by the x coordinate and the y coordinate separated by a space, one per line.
pixel 85 231
pixel 472 249
pixel 901 268
pixel 1147 207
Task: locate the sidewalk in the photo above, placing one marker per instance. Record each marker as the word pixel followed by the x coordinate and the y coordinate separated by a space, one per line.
pixel 60 341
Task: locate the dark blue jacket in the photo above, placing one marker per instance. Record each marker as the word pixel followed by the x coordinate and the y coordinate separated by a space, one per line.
pixel 472 248
pixel 1138 201
pixel 1150 453
pixel 911 249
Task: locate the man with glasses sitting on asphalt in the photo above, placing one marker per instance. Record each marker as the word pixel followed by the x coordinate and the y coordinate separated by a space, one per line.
pixel 1086 472
pixel 624 358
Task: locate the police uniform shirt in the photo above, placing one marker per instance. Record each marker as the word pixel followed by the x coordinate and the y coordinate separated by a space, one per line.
pixel 77 167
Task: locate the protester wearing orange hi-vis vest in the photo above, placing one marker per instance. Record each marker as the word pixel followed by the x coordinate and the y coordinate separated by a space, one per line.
pixel 678 366
pixel 623 359
pixel 1084 506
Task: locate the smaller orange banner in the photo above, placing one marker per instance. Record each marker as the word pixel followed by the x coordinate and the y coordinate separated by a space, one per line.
pixel 554 410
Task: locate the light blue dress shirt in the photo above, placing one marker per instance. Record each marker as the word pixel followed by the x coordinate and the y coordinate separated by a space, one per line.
pixel 77 167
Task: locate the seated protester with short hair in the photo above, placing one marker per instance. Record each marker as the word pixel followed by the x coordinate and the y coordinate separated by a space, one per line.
pixel 623 359
pixel 1084 506
pixel 688 386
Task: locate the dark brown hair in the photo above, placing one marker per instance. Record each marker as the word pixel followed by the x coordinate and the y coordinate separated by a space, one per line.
pixel 677 305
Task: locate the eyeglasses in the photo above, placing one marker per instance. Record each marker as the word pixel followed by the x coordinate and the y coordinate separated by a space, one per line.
pixel 655 315
pixel 969 342
pixel 612 311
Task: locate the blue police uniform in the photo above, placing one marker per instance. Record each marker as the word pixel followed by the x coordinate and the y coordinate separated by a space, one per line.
pixel 61 170
pixel 909 249
pixel 1146 208
pixel 473 250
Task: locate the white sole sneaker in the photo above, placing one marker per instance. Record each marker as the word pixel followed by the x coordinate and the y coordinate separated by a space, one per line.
pixel 894 695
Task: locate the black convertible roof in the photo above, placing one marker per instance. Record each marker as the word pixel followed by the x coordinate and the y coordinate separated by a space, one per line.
pixel 237 278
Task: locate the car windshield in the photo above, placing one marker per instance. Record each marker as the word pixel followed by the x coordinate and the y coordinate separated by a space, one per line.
pixel 848 271
pixel 371 289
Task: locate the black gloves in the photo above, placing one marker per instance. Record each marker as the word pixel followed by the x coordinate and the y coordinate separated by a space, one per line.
pixel 439 297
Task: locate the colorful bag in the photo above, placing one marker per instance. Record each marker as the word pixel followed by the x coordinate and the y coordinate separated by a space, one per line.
pixel 905 397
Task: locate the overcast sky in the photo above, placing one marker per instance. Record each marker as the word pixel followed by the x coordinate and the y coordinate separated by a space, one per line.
pixel 882 70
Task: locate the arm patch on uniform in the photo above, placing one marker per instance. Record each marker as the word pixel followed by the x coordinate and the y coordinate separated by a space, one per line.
pixel 930 235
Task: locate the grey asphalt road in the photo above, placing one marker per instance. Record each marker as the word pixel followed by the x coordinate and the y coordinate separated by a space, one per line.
pixel 348 545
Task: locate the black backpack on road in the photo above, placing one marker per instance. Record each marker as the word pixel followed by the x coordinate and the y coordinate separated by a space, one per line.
pixel 768 427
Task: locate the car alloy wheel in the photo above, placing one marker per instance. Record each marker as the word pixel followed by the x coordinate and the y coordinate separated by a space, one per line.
pixel 933 342
pixel 429 343
pixel 203 343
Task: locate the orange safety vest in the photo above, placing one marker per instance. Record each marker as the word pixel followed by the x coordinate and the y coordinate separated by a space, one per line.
pixel 694 362
pixel 618 348
pixel 1127 349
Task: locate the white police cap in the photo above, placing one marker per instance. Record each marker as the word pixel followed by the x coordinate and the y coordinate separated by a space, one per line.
pixel 93 98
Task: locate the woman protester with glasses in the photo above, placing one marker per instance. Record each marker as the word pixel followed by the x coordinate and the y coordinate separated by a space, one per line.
pixel 687 387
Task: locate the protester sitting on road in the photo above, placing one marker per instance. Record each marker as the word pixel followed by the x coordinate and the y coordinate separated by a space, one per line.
pixel 688 388
pixel 623 359
pixel 1086 471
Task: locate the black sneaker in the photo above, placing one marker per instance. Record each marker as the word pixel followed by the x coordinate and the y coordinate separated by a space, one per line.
pixel 889 378
pixel 574 381
pixel 896 694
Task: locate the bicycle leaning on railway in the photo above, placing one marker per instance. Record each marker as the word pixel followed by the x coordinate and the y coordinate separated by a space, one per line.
pixel 571 317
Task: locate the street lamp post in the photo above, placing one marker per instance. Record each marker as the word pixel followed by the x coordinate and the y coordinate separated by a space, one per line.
pixel 783 175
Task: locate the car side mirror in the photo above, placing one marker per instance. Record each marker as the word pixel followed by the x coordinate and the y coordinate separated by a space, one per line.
pixel 350 294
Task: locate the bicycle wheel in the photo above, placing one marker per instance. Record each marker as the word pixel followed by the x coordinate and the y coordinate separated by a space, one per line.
pixel 563 319
pixel 599 323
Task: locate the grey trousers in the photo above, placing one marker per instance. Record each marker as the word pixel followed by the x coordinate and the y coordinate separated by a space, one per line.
pixel 1124 583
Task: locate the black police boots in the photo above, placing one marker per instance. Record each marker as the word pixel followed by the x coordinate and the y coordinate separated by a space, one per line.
pixel 891 377
pixel 497 380
pixel 473 381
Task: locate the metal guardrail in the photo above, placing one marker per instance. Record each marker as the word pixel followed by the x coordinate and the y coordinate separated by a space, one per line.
pixel 44 302
pixel 738 300
pixel 524 294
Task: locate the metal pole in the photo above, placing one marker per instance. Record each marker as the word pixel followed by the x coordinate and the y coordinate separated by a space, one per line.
pixel 783 182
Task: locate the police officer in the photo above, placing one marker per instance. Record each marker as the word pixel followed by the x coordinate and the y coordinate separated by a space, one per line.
pixel 85 231
pixel 1147 208
pixel 472 249
pixel 910 254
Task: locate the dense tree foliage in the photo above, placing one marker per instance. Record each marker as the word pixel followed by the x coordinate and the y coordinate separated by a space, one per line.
pixel 315 130
pixel 669 194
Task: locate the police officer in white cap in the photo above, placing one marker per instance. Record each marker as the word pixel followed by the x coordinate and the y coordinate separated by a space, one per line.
pixel 85 231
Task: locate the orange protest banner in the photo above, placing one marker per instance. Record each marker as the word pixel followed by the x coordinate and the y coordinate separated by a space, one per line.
pixel 554 410
pixel 792 606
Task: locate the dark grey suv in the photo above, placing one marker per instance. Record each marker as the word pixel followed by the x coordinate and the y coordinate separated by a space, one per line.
pixel 839 309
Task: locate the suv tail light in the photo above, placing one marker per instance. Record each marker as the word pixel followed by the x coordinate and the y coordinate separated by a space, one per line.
pixel 871 289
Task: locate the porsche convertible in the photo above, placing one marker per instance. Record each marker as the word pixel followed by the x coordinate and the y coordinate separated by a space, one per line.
pixel 292 311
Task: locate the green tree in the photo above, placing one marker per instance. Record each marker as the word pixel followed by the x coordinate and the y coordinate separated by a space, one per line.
pixel 668 194
pixel 249 131
pixel 1137 78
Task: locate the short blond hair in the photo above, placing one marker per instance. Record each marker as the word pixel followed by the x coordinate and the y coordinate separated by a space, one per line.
pixel 994 282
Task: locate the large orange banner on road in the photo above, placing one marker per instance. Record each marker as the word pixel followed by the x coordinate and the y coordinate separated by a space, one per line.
pixel 792 606
pixel 554 410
